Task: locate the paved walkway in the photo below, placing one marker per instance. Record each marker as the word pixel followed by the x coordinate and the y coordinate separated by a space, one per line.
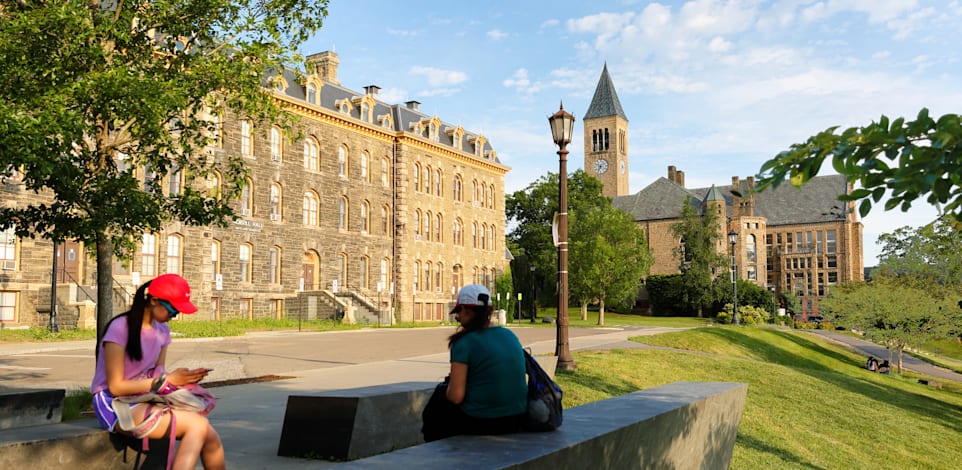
pixel 910 362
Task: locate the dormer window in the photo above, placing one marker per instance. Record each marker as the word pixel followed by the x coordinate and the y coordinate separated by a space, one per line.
pixel 311 93
pixel 433 132
pixel 365 112
pixel 385 121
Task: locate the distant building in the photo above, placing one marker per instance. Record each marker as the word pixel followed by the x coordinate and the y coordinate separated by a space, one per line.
pixel 379 210
pixel 802 241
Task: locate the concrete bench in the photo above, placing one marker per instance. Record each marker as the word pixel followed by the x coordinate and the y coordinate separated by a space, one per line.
pixel 354 423
pixel 680 425
pixel 360 422
pixel 77 444
pixel 19 408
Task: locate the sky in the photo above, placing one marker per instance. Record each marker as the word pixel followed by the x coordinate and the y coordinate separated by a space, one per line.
pixel 713 87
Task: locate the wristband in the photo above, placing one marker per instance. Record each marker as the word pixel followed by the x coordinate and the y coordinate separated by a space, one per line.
pixel 158 383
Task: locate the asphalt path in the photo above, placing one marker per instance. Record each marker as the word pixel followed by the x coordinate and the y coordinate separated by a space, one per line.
pixel 910 362
pixel 70 365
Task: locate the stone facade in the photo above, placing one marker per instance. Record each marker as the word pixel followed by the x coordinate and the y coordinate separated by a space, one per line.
pixel 399 208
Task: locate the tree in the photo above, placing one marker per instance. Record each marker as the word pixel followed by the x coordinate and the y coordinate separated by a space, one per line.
pixel 909 159
pixel 923 257
pixel 532 210
pixel 698 258
pixel 894 314
pixel 608 258
pixel 101 101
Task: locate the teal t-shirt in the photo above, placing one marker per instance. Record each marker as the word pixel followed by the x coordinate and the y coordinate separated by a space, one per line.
pixel 497 384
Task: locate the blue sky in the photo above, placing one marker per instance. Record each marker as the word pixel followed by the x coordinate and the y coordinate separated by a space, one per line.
pixel 713 87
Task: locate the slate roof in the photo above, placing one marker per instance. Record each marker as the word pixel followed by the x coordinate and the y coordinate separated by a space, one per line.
pixel 605 102
pixel 816 201
pixel 401 115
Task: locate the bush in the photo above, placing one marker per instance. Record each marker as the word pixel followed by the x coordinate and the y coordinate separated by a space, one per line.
pixel 747 315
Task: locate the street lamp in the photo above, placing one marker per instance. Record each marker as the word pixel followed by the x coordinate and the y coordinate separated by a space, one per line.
pixel 562 126
pixel 733 238
pixel 774 314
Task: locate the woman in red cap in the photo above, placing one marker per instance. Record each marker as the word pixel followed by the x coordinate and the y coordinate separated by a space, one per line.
pixel 131 362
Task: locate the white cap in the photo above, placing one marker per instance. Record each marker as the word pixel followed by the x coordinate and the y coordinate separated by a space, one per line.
pixel 473 294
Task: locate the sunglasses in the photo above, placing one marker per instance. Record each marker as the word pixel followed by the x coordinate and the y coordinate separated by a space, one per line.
pixel 170 308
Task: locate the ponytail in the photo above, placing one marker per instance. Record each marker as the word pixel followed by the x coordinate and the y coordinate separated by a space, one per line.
pixel 135 322
pixel 480 321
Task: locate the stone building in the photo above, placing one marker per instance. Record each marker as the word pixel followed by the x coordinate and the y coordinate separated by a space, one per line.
pixel 378 211
pixel 799 240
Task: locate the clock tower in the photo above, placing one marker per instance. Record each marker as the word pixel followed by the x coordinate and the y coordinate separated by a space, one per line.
pixel 606 138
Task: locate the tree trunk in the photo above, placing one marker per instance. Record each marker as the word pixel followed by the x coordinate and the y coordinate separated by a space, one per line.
pixel 601 313
pixel 900 358
pixel 105 293
pixel 584 311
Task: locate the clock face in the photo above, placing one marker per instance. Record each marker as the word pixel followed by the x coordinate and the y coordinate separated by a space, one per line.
pixel 601 166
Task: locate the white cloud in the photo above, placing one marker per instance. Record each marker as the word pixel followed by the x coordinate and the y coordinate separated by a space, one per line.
pixel 444 91
pixel 497 35
pixel 550 23
pixel 404 33
pixel 520 81
pixel 882 55
pixel 439 77
pixel 719 44
pixel 392 95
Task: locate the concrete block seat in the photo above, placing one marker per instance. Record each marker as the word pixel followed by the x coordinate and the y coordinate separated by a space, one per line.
pixel 680 425
pixel 19 408
pixel 77 444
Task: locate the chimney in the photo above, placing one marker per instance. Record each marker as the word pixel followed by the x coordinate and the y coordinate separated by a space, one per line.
pixel 735 183
pixel 751 182
pixel 372 90
pixel 324 65
pixel 671 173
pixel 680 175
pixel 413 105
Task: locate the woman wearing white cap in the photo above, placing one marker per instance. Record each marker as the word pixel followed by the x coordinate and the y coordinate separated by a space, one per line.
pixel 487 389
pixel 131 362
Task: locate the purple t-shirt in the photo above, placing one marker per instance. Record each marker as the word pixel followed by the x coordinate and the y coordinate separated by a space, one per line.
pixel 152 341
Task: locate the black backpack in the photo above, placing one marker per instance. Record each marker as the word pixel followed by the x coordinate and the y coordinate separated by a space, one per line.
pixel 544 398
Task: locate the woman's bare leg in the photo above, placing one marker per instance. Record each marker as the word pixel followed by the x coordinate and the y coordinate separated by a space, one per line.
pixel 198 440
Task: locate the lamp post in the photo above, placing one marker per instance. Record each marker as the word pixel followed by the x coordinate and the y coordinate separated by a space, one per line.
pixel 733 238
pixel 774 313
pixel 562 125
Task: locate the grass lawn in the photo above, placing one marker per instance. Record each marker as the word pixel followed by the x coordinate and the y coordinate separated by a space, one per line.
pixel 810 403
pixel 616 319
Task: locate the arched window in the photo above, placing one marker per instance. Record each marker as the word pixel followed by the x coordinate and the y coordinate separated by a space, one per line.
pixel 365 177
pixel 175 258
pixel 491 199
pixel 427 226
pixel 437 277
pixel 484 228
pixel 310 208
pixel 474 192
pixel 385 221
pixel 310 154
pixel 274 265
pixel 176 181
pixel 385 166
pixel 276 201
pixel 456 236
pixel 276 146
pixel 364 112
pixel 148 255
pixel 247 198
pixel 213 184
pixel 457 188
pixel 427 276
pixel 750 248
pixel 474 235
pixel 491 239
pixel 416 177
pixel 247 140
pixel 437 183
pixel 342 162
pixel 311 93
pixel 363 267
pixel 244 257
pixel 342 213
pixel 342 269
pixel 383 274
pixel 427 180
pixel 457 280
pixel 365 220
pixel 417 224
pixel 438 223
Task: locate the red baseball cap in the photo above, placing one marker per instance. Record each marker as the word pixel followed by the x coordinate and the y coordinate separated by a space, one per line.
pixel 174 289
